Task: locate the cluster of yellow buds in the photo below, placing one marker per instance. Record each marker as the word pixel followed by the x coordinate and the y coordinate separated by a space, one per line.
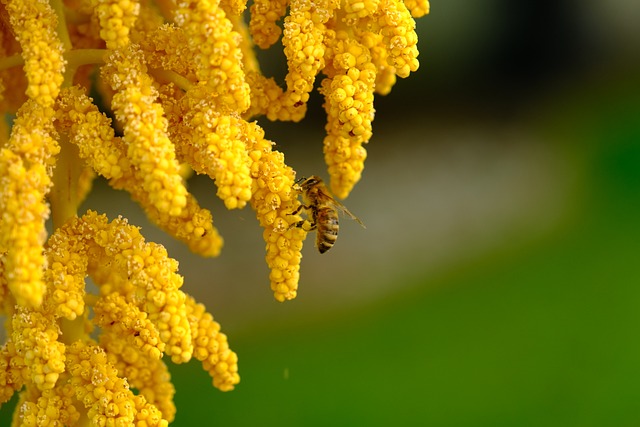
pixel 179 88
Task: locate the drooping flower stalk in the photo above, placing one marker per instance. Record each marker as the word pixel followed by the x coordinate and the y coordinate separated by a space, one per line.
pixel 179 88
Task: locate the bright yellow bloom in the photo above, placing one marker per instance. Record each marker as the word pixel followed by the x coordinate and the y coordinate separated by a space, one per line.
pixel 348 92
pixel 116 19
pixel 263 26
pixel 25 178
pixel 90 130
pixel 34 26
pixel 126 321
pixel 145 130
pixel 217 52
pixel 148 375
pixel 183 84
pixel 274 201
pixel 36 338
pixel 418 8
pixel 212 144
pixel 398 35
pixel 98 387
pixel 211 347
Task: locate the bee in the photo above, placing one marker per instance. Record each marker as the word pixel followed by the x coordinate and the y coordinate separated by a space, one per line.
pixel 323 210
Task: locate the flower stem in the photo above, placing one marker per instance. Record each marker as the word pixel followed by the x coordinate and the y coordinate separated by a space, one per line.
pixel 61 28
pixel 173 77
pixel 64 194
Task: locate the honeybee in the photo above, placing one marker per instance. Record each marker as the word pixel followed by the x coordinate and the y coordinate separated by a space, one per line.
pixel 323 210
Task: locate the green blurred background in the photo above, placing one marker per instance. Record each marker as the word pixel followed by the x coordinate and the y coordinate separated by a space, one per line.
pixel 497 281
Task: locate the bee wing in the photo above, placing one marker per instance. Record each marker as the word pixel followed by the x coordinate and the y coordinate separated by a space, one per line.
pixel 342 208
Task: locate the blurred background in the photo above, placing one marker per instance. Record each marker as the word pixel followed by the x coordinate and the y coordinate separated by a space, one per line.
pixel 497 281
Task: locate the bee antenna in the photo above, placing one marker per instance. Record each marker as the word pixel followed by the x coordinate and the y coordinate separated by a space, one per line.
pixel 299 180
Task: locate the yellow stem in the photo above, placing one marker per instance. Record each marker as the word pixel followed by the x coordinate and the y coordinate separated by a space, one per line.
pixel 173 77
pixel 78 57
pixel 64 194
pixel 61 28
pixel 64 205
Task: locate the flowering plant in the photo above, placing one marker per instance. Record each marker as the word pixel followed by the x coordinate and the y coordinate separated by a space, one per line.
pixel 182 84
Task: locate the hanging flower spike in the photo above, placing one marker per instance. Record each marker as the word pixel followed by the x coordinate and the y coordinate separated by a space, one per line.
pixel 34 26
pixel 349 106
pixel 216 47
pixel 91 131
pixel 97 386
pixel 36 338
pixel 150 377
pixel 67 262
pixel 26 167
pixel 166 48
pixel 55 406
pixel 263 23
pixel 147 268
pixel 211 144
pixel 274 202
pixel 116 18
pixel 399 36
pixel 145 130
pixel 385 73
pixel 131 325
pixel 211 347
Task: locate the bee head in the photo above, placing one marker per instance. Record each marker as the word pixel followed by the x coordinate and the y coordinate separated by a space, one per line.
pixel 311 181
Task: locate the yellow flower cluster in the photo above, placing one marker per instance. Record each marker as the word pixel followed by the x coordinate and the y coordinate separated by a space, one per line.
pixel 141 312
pixel 177 86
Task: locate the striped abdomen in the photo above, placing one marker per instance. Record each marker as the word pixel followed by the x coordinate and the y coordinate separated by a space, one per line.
pixel 327 233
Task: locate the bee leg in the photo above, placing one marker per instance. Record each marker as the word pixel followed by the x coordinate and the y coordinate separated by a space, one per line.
pixel 299 208
pixel 300 224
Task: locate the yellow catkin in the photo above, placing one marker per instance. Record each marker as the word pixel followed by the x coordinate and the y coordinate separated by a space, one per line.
pixel 211 144
pixel 348 95
pixel 145 130
pixel 219 68
pixel 274 201
pixel 56 407
pixel 36 338
pixel 211 347
pixel 25 178
pixel 106 397
pixel 150 377
pixel 66 270
pixel 263 23
pixel 149 270
pixel 125 320
pixel 166 48
pixel 385 73
pixel 116 18
pixel 397 28
pixel 34 26
pixel 90 130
